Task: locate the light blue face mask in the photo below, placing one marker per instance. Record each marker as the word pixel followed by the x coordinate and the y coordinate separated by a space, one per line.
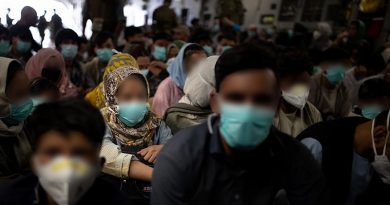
pixel 208 49
pixel 244 126
pixel 104 54
pixel 225 48
pixel 372 111
pixel 23 46
pixel 4 48
pixel 19 113
pixel 69 51
pixel 132 113
pixel 160 53
pixel 144 72
pixel 335 74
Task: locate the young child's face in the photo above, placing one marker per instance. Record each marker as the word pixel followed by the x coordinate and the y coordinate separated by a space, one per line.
pixel 131 90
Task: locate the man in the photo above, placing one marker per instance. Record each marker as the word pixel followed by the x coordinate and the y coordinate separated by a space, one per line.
pixel 67 42
pixel 374 97
pixel 164 18
pixel 103 45
pixel 22 42
pixel 29 18
pixel 133 35
pixel 353 157
pixel 329 93
pixel 225 42
pixel 295 114
pixel 181 33
pixel 65 159
pixel 237 156
pixel 368 66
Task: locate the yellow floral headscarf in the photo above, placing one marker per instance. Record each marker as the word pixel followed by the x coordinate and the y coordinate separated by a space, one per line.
pixel 96 96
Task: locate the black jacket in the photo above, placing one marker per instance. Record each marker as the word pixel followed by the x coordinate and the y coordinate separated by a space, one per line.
pixel 192 168
pixel 26 190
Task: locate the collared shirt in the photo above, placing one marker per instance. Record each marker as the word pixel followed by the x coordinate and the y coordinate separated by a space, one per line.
pixel 193 168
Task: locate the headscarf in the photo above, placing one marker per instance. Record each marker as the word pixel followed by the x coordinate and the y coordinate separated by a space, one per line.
pixel 36 63
pixel 200 83
pixel 96 96
pixel 176 68
pixel 133 136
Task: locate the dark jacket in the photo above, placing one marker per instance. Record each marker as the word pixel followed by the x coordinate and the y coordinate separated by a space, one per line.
pixel 193 168
pixel 26 190
pixel 337 139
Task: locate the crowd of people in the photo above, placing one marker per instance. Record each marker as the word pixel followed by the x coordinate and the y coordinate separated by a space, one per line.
pixel 191 115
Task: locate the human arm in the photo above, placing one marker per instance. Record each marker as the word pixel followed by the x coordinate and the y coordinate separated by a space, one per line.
pixel 121 164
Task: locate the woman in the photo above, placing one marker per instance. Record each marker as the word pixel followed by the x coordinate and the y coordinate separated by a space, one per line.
pixel 15 107
pixel 194 107
pixel 96 96
pixel 50 64
pixel 137 134
pixel 170 90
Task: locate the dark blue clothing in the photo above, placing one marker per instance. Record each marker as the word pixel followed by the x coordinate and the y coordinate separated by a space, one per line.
pixel 193 168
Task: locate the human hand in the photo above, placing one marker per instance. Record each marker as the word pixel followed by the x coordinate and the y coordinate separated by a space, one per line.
pixel 150 153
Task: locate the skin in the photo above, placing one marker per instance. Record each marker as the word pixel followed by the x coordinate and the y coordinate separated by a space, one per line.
pixel 162 43
pixel 325 66
pixel 18 88
pixel 172 52
pixel 71 144
pixel 191 61
pixel 143 62
pixel 363 140
pixel 255 87
pixel 109 43
pixel 130 90
pixel 287 82
pixel 383 101
pixel 49 95
pixel 180 35
pixel 29 16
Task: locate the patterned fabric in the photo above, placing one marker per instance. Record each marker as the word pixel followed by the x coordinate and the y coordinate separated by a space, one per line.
pixel 133 136
pixel 96 96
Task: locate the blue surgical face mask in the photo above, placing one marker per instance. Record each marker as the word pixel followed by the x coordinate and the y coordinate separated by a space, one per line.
pixel 104 54
pixel 225 48
pixel 69 51
pixel 160 53
pixel 335 74
pixel 208 49
pixel 245 127
pixel 144 72
pixel 23 46
pixel 4 47
pixel 132 113
pixel 19 112
pixel 372 111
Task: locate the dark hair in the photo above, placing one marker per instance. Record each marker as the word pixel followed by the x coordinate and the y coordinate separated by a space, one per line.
pixel 66 34
pixel 4 30
pixel 13 68
pixel 162 36
pixel 200 36
pixel 374 62
pixel 241 58
pixel 40 85
pixel 194 21
pixel 334 55
pixel 374 88
pixel 102 37
pixel 191 49
pixel 66 116
pixel 137 50
pixel 132 30
pixel 381 119
pixel 22 32
pixel 228 36
pixel 293 62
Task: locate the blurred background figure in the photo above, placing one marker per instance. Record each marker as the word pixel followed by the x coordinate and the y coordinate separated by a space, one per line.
pixel 164 18
pixel 42 25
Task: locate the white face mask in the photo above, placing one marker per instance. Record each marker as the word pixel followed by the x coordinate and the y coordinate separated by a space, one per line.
pixel 381 163
pixel 316 35
pixel 66 179
pixel 297 95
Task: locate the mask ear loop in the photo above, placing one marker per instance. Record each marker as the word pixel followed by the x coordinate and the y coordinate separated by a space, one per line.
pixel 387 135
pixel 372 137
